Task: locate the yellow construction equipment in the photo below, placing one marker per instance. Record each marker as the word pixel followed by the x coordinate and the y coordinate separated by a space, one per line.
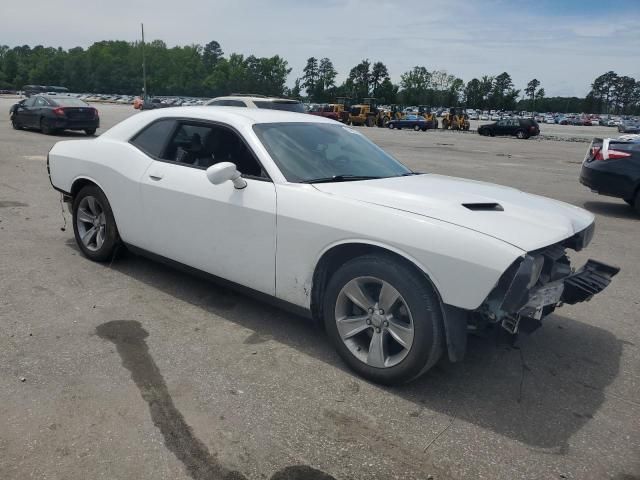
pixel 429 116
pixel 456 119
pixel 366 113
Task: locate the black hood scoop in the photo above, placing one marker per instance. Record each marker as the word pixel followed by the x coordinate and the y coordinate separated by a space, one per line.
pixel 484 207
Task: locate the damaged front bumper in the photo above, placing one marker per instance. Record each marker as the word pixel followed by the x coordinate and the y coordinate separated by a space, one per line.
pixel 543 280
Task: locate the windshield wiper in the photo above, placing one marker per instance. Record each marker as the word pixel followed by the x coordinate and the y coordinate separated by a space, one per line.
pixel 340 178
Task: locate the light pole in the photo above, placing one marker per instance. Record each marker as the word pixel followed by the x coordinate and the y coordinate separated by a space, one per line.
pixel 144 67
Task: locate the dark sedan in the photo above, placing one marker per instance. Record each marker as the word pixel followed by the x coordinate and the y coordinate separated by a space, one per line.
pixel 612 167
pixel 51 114
pixel 417 122
pixel 629 126
pixel 520 127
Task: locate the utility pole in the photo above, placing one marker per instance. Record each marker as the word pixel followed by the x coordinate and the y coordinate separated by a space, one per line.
pixel 144 67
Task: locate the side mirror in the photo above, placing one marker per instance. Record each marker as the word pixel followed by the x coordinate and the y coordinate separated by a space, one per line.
pixel 223 171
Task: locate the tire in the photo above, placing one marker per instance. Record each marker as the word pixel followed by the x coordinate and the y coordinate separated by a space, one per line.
pixel 91 207
pixel 416 128
pixel 636 203
pixel 424 129
pixel 15 124
pixel 45 127
pixel 417 318
pixel 521 134
pixel 492 133
pixel 391 125
pixel 90 131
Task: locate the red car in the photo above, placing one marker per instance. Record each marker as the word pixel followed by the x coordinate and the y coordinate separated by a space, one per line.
pixel 330 110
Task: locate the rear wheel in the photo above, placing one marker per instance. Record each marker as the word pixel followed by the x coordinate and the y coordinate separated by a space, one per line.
pixel 384 319
pixel 416 128
pixel 90 131
pixel 45 127
pixel 94 225
pixel 521 134
pixel 636 203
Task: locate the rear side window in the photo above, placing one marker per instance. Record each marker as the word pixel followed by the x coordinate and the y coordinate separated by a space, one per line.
pixel 227 103
pixel 153 139
pixel 275 105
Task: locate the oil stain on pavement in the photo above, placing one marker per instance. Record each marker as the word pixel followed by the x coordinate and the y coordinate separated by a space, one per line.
pixel 130 340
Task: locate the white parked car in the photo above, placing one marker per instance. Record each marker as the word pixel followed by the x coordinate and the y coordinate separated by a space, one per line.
pixel 257 101
pixel 311 213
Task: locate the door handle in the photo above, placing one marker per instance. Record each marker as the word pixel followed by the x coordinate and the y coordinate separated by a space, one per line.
pixel 156 176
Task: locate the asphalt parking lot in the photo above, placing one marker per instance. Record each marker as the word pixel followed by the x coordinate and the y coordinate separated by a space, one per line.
pixel 210 384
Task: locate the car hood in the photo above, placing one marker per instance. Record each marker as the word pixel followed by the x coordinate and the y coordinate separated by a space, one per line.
pixel 521 219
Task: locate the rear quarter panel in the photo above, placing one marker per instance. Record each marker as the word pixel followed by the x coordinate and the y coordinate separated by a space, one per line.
pixel 115 166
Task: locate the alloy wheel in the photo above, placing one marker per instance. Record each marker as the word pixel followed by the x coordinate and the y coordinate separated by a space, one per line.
pixel 92 223
pixel 374 322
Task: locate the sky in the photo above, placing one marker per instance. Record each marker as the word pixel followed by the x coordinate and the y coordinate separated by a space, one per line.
pixel 563 43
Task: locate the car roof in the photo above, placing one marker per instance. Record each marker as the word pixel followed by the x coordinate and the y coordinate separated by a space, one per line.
pixel 238 118
pixel 257 98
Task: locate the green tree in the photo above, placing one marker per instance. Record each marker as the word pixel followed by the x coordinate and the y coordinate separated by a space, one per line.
pixel 211 55
pixel 379 74
pixel 415 85
pixel 360 79
pixel 531 90
pixel 310 76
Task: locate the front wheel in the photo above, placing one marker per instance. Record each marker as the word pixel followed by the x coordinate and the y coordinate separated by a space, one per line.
pixel 94 225
pixel 416 128
pixel 384 319
pixel 636 203
pixel 15 124
pixel 90 131
pixel 391 125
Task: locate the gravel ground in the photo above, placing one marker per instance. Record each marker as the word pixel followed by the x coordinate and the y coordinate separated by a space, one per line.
pixel 210 384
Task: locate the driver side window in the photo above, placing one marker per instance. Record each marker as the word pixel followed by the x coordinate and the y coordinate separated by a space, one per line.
pixel 201 145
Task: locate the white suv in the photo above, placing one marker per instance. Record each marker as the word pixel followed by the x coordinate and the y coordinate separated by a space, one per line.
pixel 258 101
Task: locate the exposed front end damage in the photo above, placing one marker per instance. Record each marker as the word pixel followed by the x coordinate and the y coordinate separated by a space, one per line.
pixel 539 282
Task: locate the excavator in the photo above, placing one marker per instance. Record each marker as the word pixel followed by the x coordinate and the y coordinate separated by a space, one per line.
pixel 456 119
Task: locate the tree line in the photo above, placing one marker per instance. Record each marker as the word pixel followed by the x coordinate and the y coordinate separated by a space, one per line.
pixel 196 70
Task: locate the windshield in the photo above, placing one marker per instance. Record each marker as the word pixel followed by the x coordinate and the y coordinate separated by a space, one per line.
pixel 280 105
pixel 305 152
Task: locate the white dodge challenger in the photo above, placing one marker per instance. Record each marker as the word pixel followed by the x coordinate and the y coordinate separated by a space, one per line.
pixel 308 212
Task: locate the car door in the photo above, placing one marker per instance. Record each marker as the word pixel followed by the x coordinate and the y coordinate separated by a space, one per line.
pixel 39 110
pixel 501 127
pixel 219 229
pixel 25 112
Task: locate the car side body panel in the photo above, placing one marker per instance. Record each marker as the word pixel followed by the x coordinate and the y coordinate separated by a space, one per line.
pixel 462 264
pixel 114 166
